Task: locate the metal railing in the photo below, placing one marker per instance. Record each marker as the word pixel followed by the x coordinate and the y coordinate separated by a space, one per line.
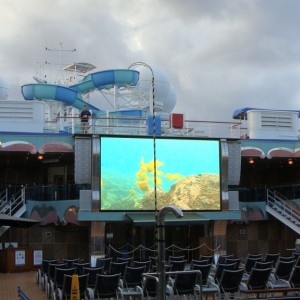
pixel 11 203
pixel 138 126
pixel 55 192
pixel 284 207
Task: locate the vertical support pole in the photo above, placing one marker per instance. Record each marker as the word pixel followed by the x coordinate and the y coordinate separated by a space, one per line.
pixel 161 255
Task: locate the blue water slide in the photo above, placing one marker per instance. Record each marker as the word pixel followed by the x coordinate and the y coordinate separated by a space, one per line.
pixel 72 95
pixel 42 91
pixel 107 79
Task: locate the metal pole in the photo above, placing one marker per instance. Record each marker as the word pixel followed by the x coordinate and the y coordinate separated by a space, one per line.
pixel 161 255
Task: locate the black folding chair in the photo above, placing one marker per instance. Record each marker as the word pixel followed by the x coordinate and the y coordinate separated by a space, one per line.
pixel 209 257
pixel 150 287
pixel 219 270
pixel 92 271
pixel 58 279
pixel 294 279
pixel 258 279
pixel 250 262
pixel 70 262
pixel 185 284
pixel 230 282
pixel 146 264
pixel 103 262
pixel 281 275
pixel 273 257
pixel 66 291
pixel 51 274
pixel 108 286
pixel 80 266
pixel 117 268
pixel 207 284
pixel 177 265
pixel 43 270
pixel 133 277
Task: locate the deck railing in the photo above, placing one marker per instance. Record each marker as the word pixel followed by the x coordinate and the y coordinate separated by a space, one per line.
pixel 138 126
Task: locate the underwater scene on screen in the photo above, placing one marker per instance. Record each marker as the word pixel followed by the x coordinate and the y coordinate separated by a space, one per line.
pixel 186 173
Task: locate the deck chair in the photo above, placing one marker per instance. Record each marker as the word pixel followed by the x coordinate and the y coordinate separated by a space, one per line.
pixel 250 262
pixel 206 282
pixel 125 259
pixel 117 268
pixel 80 266
pixel 198 262
pixel 103 262
pixel 231 260
pixel 174 257
pixel 230 282
pixel 255 255
pixel 65 292
pixel 283 269
pixel 150 287
pixel 185 284
pixel 258 279
pixel 146 264
pixel 263 264
pixel 219 269
pixel 296 255
pixel 287 258
pixel 223 258
pixel 70 262
pixel 58 279
pixel 294 279
pixel 108 286
pixel 132 282
pixel 209 257
pixel 92 271
pixel 281 275
pixel 177 265
pixel 273 257
pixel 43 270
pixel 51 274
pixel 133 277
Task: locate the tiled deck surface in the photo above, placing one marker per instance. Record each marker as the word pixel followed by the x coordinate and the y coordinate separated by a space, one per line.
pixel 9 283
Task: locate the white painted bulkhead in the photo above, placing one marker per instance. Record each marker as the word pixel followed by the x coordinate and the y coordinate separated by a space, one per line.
pixel 273 124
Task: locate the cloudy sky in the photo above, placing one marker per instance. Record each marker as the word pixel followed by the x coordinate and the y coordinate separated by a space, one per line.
pixel 219 55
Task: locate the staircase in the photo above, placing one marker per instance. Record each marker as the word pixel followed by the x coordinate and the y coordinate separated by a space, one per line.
pixel 284 210
pixel 12 204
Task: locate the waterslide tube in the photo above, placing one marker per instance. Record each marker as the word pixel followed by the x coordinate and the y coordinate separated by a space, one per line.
pixel 72 95
pixel 43 91
pixel 107 79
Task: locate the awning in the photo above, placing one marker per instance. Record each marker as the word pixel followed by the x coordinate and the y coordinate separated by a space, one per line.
pixel 142 219
pixel 6 220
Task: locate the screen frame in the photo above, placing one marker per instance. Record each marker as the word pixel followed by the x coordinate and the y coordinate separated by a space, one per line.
pixel 220 160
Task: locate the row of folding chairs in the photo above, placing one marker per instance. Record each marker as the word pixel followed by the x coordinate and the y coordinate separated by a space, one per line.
pixel 131 277
pixel 52 280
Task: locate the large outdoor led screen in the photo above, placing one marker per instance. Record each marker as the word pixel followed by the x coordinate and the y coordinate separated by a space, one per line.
pixel 187 174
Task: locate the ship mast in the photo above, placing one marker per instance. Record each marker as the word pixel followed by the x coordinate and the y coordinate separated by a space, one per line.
pixel 61 68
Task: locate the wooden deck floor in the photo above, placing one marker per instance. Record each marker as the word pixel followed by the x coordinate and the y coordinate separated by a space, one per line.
pixel 9 283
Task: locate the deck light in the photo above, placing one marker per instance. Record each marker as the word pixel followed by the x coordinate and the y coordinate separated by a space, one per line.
pixel 251 161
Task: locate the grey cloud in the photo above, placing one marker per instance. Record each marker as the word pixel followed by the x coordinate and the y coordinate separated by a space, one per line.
pixel 220 55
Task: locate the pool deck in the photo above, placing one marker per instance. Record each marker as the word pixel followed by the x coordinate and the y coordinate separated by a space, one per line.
pixel 9 283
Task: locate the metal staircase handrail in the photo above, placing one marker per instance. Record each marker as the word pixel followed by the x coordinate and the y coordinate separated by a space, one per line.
pixel 287 207
pixel 10 206
pixel 280 196
pixel 3 199
pixel 13 206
